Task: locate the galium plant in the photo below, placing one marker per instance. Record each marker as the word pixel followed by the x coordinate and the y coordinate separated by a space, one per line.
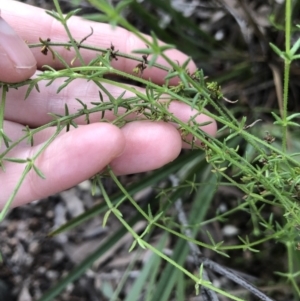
pixel 268 175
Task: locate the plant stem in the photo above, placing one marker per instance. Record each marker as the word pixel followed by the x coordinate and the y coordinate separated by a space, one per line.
pixel 64 23
pixel 287 63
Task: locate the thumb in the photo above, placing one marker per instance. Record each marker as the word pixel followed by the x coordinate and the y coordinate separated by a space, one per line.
pixel 17 62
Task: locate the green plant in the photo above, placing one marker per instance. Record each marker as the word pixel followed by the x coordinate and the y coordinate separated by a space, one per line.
pixel 266 173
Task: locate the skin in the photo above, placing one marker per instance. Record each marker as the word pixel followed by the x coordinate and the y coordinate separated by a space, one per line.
pixel 79 154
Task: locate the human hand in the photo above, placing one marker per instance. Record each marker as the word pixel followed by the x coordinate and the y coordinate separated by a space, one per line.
pixel 79 154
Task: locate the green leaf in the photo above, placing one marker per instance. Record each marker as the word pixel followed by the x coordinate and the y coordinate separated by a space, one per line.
pixel 277 51
pixel 171 75
pixel 33 84
pixel 66 82
pixel 48 68
pixel 117 212
pixel 157 217
pixel 185 63
pixel 167 47
pixel 82 103
pixel 133 245
pixel 150 212
pixel 123 4
pixel 50 82
pixel 277 118
pixel 5 138
pixel 2 165
pixel 141 244
pixel 295 115
pixel 293 123
pixel 54 14
pixel 105 218
pixel 72 13
pixel 143 51
pixel 296 57
pixel 295 47
pixel 37 87
pixel 38 171
pixel 231 136
pixel 15 160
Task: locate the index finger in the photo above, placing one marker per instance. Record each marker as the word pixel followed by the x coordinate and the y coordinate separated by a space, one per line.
pixel 32 23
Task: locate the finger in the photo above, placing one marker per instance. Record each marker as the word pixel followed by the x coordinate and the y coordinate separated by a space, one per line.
pixel 149 145
pixel 17 62
pixel 70 159
pixel 83 152
pixel 34 111
pixel 32 23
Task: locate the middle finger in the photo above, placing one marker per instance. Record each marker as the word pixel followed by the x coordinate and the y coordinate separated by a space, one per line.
pixel 34 111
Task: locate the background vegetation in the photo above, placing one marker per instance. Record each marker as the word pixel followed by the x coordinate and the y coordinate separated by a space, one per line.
pixel 214 216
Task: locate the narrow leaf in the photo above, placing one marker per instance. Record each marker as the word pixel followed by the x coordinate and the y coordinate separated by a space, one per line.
pixel 39 172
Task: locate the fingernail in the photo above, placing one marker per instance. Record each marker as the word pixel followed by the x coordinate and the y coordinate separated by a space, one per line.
pixel 15 56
